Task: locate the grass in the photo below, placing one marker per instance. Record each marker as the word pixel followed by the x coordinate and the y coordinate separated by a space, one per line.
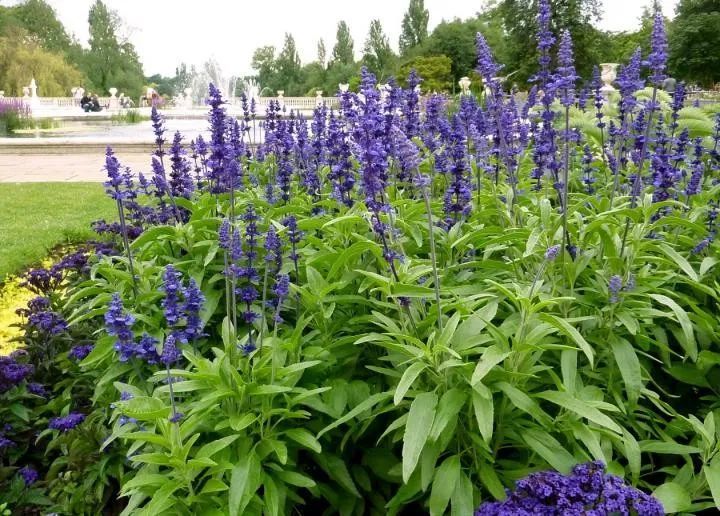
pixel 36 217
pixel 131 116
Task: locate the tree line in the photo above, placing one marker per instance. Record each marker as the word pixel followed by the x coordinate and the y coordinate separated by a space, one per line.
pixel 34 43
pixel 447 53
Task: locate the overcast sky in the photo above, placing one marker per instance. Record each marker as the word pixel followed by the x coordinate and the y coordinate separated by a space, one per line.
pixel 167 32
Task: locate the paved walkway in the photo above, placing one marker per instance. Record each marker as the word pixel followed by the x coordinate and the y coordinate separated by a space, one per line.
pixel 20 168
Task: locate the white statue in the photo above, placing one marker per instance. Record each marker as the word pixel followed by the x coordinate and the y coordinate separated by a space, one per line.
pixel 464 83
pixel 114 103
pixel 608 75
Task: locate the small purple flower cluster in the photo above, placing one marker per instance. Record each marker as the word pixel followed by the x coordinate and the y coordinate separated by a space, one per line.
pixel 587 491
pixel 48 323
pixel 13 372
pixel 29 475
pixel 80 351
pixel 42 281
pixel 66 423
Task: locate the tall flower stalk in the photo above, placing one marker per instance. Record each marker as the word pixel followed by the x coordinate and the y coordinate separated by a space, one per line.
pixel 113 185
pixel 657 62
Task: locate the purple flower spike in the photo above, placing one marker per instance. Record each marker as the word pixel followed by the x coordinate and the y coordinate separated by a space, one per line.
pixel 552 253
pixel 657 60
pixel 172 287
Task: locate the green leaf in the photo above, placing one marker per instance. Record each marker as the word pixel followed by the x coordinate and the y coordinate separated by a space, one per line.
pixel 304 438
pixel 417 430
pixel 629 321
pixel 461 500
pixel 629 365
pixel 271 496
pixel 212 448
pixel 408 377
pixel 144 408
pixel 484 412
pixel 337 470
pixel 244 480
pixel 20 411
pixel 446 478
pixel 161 498
pixel 569 331
pixel 295 479
pixel 679 261
pixel 568 366
pixel 239 423
pixel 689 343
pixel 524 402
pixel 632 452
pixel 229 337
pixel 668 448
pixel 712 476
pixel 448 331
pixel 359 409
pixel 490 480
pixel 490 358
pixel 580 408
pixel 471 329
pixel 449 406
pixel 412 291
pixel 549 449
pixel 316 282
pixel 214 485
pixel 673 497
pixel 268 389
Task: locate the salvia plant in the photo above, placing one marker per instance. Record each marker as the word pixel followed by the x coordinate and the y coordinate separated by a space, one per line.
pixel 410 305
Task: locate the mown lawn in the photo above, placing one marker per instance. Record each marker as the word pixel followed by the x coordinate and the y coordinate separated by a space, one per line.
pixel 36 217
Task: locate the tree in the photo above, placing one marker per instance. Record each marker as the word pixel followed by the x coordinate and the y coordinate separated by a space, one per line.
pixel 184 77
pixel 435 72
pixel 289 69
pixel 620 46
pixel 343 51
pixel 313 77
pixel 321 53
pixel 42 24
pixel 111 61
pixel 576 16
pixel 339 73
pixel 456 40
pixel 377 54
pixel 414 26
pixel 22 58
pixel 695 40
pixel 263 61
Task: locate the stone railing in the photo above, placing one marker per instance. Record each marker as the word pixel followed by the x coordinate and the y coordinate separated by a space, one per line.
pixel 301 103
pixel 296 103
pixel 55 102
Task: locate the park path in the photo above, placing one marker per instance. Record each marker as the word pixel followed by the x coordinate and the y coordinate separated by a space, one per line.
pixel 24 168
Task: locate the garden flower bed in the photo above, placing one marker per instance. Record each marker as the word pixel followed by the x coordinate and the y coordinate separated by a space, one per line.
pixel 390 310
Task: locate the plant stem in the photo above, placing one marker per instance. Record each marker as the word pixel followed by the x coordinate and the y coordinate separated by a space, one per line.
pixel 433 258
pixel 126 243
